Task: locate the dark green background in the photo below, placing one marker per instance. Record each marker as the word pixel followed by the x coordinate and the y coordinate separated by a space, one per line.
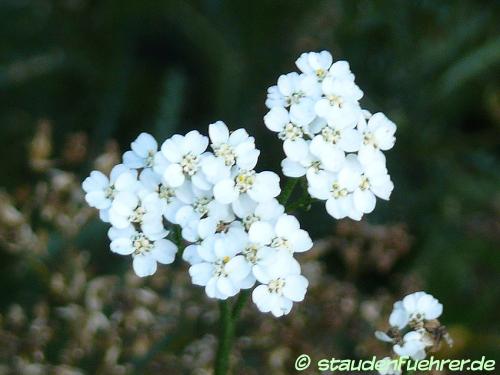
pixel 116 68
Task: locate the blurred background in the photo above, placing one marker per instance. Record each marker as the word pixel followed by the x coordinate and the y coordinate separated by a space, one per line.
pixel 80 79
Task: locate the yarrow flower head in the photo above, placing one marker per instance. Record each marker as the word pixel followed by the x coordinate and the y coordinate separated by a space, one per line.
pixel 237 232
pixel 329 138
pixel 415 329
pixel 208 190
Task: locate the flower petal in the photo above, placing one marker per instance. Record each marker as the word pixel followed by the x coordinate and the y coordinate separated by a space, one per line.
pixel 164 251
pixel 144 265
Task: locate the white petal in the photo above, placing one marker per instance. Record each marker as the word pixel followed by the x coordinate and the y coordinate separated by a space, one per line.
pixel 335 208
pixel 286 225
pixel 226 287
pixel 144 144
pixel 303 113
pixel 262 298
pixel 239 136
pixel 172 150
pixel 296 150
pixel 276 119
pixel 398 318
pixel 218 132
pixel 132 160
pixel 286 84
pixel 164 251
pixel 144 265
pixel 122 246
pixel 295 287
pixel 225 192
pixel 292 168
pixel 201 273
pixel 323 108
pixel 207 227
pixel 117 171
pixel 104 215
pixel 115 233
pixel 173 175
pixel 200 181
pixel 280 305
pixel 96 181
pixel 118 220
pixel 351 140
pixel 190 254
pixel 238 268
pixel 300 241
pixel 383 191
pixel 382 336
pixel 261 232
pixel 97 199
pixel 248 160
pixel 364 200
pixel 265 187
pixel 215 169
pixel 126 182
pixel 333 159
pixel 195 142
pixel 244 206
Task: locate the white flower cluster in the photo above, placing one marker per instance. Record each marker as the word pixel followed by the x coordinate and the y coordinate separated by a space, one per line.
pixel 414 325
pixel 239 234
pixel 329 138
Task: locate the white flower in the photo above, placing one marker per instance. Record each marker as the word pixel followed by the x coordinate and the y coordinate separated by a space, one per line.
pixel 414 309
pixel 292 90
pixel 282 285
pixel 374 181
pixel 329 146
pixel 291 131
pixel 336 189
pixel 128 208
pixel 413 345
pixel 339 106
pixel 145 251
pixel 309 165
pixel 200 214
pixel 222 271
pixel 328 137
pixel 143 152
pixel 165 195
pixel 101 191
pixel 365 182
pixel 234 148
pixel 315 63
pixel 285 235
pixel 185 154
pixel 260 187
pixel 377 136
pixel 250 211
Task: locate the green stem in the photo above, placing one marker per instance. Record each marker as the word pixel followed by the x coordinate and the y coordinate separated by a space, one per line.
pixel 240 303
pixel 225 339
pixel 228 320
pixel 287 190
pixel 178 240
